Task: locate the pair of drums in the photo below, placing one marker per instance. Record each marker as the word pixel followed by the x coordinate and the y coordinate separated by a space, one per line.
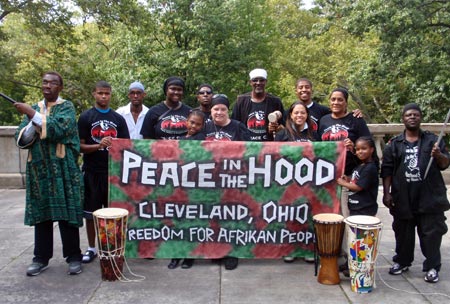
pixel 363 236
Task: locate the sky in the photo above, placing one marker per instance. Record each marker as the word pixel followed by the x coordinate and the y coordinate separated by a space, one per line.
pixel 308 3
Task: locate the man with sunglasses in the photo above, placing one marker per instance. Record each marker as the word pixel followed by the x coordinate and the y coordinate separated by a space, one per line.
pixel 134 112
pixel 204 98
pixel 253 108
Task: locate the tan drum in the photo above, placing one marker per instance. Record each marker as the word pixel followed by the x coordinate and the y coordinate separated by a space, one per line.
pixel 363 235
pixel 329 231
pixel 110 228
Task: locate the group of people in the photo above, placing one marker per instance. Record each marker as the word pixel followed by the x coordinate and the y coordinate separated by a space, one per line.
pixel 56 191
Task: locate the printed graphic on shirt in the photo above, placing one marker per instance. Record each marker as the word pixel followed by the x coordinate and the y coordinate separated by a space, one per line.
pixel 174 124
pixel 314 123
pixel 353 180
pixel 219 136
pixel 412 171
pixel 335 132
pixel 256 122
pixel 103 128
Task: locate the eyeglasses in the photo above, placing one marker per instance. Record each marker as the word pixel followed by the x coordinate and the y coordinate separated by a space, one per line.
pixel 51 83
pixel 204 92
pixel 256 80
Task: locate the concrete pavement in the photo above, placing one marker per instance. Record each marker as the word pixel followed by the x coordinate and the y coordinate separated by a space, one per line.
pixel 254 281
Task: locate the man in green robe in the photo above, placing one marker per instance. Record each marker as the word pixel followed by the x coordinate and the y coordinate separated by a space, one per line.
pixel 53 178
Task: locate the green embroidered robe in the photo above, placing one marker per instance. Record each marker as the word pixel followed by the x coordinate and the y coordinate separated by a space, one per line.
pixel 54 180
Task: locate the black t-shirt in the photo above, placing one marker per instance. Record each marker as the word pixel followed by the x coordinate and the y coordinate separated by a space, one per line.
pixel 234 131
pixel 365 176
pixel 283 135
pixel 316 112
pixel 92 127
pixel 337 129
pixel 161 122
pixel 254 115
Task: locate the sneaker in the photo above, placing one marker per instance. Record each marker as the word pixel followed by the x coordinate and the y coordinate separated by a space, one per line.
pixel 74 268
pixel 288 259
pixel 432 276
pixel 397 269
pixel 309 259
pixel 344 269
pixel 231 263
pixel 36 268
pixel 89 256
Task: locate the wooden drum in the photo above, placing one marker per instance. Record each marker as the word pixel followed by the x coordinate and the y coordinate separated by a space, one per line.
pixel 110 228
pixel 329 232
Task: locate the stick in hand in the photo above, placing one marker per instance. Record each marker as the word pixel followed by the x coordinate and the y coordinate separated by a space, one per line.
pixel 8 98
pixel 438 141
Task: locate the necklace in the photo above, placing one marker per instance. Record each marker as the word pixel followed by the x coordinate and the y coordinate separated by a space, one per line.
pixel 218 134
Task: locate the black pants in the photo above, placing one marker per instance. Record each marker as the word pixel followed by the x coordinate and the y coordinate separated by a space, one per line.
pixel 430 229
pixel 43 242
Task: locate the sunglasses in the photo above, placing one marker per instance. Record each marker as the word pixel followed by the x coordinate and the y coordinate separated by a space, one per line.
pixel 204 92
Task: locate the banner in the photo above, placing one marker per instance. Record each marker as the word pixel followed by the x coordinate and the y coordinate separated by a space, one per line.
pixel 210 199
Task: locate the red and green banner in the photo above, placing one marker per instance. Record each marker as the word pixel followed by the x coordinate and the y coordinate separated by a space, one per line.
pixel 210 199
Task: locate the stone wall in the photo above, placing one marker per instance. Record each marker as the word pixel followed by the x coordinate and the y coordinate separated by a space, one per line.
pixel 13 160
pixel 12 164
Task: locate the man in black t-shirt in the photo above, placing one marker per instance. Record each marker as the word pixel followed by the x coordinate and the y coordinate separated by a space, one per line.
pixel 97 127
pixel 253 108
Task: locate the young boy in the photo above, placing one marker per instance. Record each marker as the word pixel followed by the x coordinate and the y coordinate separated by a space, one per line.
pixel 97 127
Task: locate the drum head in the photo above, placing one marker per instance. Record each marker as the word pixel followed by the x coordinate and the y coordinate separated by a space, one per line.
pixel 328 218
pixel 363 220
pixel 110 213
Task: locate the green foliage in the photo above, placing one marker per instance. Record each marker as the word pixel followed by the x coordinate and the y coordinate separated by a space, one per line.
pixel 412 62
pixel 387 53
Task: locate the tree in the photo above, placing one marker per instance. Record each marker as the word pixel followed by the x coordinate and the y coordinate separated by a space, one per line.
pixel 413 60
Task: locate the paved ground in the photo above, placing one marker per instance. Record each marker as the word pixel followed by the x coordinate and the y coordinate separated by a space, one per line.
pixel 254 281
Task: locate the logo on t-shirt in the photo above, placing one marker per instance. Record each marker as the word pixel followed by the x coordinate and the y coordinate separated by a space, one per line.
pixel 219 136
pixel 412 171
pixel 103 128
pixel 335 133
pixel 314 124
pixel 256 122
pixel 174 124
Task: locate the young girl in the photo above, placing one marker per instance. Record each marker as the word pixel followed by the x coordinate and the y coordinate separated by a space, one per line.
pixel 195 124
pixel 363 184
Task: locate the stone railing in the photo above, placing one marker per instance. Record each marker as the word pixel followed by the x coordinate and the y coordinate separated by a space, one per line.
pixel 12 164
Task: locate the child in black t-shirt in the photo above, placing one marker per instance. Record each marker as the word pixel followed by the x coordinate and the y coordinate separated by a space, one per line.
pixel 195 124
pixel 363 184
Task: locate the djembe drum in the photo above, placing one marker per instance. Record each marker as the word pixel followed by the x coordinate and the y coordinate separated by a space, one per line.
pixel 363 235
pixel 329 231
pixel 110 228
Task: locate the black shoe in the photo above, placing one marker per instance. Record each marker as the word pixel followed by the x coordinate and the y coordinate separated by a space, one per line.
pixel 432 276
pixel 74 268
pixel 187 263
pixel 173 264
pixel 36 268
pixel 231 263
pixel 343 267
pixel 397 269
pixel 89 256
